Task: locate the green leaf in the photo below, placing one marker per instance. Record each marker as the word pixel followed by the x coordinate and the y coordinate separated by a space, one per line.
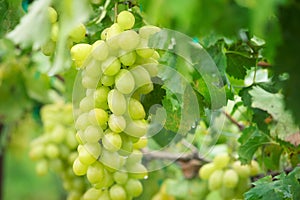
pixel 284 187
pixel 271 156
pixel 238 64
pixel 34 27
pixel 274 105
pixel 250 140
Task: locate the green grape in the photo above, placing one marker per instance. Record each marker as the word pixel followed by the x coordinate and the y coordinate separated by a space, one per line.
pixel 111 66
pixel 93 134
pixel 41 167
pixel 230 178
pixel 141 76
pixel 100 95
pixel 113 31
pixel 128 40
pixel 54 32
pixel 107 80
pixel 111 160
pixel 104 34
pixel 48 48
pixel 98 116
pixel 95 173
pixel 145 52
pixel 70 140
pixel 134 187
pixel 86 104
pixel 37 152
pixel 136 128
pixel 136 109
pixel 254 168
pixel 78 33
pixel 215 180
pixel 105 195
pixel 89 153
pixel 128 58
pixel 117 192
pixel 112 141
pixel 89 82
pixel 116 123
pixel 214 195
pixel 125 20
pixel 206 170
pixel 242 170
pixel 124 81
pixel 57 165
pixel 221 160
pixel 141 143
pixel 116 102
pixel 52 15
pixel 100 50
pixel 137 171
pixel 82 121
pixel 146 31
pixel 152 69
pixel 127 145
pixel 58 134
pixel 79 53
pixel 93 69
pixel 120 177
pixel 79 168
pixel 92 194
pixel 51 151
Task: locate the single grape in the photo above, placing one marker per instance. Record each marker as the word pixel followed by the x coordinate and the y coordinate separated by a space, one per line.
pixel 242 170
pixel 113 31
pixel 107 80
pixel 136 128
pixel 79 168
pixel 111 66
pixel 146 31
pixel 52 15
pixel 206 170
pixel 78 33
pixel 254 168
pixel 100 50
pixel 116 102
pixel 125 20
pixel 100 95
pixel 41 167
pixel 221 160
pixel 230 178
pixel 95 173
pixel 48 48
pixel 128 40
pixel 116 123
pixel 99 117
pixel 215 180
pixel 92 194
pixel 93 134
pixel 124 81
pixel 120 177
pixel 112 141
pixel 51 151
pixel 134 187
pixel 136 109
pixel 128 58
pixel 117 192
pixel 141 143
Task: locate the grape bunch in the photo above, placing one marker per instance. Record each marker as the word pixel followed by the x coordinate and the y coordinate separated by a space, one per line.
pixel 227 180
pixel 56 149
pixel 117 71
pixel 75 36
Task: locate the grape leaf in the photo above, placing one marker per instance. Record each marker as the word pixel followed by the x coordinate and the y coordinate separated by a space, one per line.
pixel 34 27
pixel 274 105
pixel 250 141
pixel 284 187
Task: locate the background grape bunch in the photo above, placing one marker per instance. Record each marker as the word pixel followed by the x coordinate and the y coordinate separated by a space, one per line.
pixel 55 150
pixel 111 123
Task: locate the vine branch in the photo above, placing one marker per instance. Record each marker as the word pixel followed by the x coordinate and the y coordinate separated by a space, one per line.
pixel 234 121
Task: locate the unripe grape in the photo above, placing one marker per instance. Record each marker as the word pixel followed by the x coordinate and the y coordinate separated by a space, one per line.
pixel 116 102
pixel 48 48
pixel 86 104
pixel 112 141
pixel 107 80
pixel 113 31
pixel 117 192
pixel 128 40
pixel 126 20
pixel 111 160
pixel 89 82
pixel 54 32
pixel 89 153
pixel 124 81
pixel 100 95
pixel 104 34
pixel 152 68
pixel 37 152
pixel 93 70
pixel 136 109
pixel 116 123
pixel 41 167
pixel 78 33
pixel 52 151
pixel 206 170
pixel 52 15
pixel 100 50
pixel 137 171
pixel 79 53
pixel 127 146
pixel 242 170
pixel 141 76
pixel 134 188
pixel 98 116
pixel 221 160
pixel 111 66
pixel 215 180
pixel 141 143
pixel 230 178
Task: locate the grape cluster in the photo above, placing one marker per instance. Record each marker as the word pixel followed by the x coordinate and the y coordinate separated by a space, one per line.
pixel 75 36
pixel 226 179
pixel 56 148
pixel 111 124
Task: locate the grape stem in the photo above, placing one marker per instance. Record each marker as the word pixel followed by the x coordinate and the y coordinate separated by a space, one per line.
pixel 234 121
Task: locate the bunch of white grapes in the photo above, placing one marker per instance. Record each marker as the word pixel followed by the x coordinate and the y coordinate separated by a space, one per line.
pixel 226 179
pixel 111 124
pixel 56 148
pixel 75 36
